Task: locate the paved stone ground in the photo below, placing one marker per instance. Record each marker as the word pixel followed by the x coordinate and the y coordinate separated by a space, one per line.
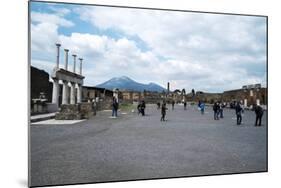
pixel 135 147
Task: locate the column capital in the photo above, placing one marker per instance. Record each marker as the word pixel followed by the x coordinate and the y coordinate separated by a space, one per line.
pixel 66 50
pixel 58 44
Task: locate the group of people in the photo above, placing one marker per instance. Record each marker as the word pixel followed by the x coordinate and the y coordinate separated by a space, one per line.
pixel 239 110
pixel 218 110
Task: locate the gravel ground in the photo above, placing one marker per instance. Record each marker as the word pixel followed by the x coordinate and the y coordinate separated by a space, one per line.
pixel 134 147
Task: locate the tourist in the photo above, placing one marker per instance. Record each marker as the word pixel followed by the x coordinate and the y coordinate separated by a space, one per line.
pixel 221 106
pixel 259 114
pixel 184 104
pixel 142 107
pixel 158 105
pixel 173 104
pixel 139 108
pixel 114 107
pixel 216 111
pixel 199 104
pixel 202 107
pixel 238 110
pixel 163 111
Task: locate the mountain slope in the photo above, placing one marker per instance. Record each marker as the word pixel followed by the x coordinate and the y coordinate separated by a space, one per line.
pixel 126 83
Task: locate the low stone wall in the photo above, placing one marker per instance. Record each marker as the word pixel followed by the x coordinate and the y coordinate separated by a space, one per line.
pixel 76 111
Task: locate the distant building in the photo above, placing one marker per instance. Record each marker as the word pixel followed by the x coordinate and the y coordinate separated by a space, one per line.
pixel 102 96
pixel 247 95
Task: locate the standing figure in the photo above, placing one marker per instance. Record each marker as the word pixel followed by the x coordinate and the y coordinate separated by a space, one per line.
pixel 139 108
pixel 202 108
pixel 184 105
pixel 142 107
pixel 114 107
pixel 163 111
pixel 173 105
pixel 216 110
pixel 199 104
pixel 158 105
pixel 221 106
pixel 259 114
pixel 238 110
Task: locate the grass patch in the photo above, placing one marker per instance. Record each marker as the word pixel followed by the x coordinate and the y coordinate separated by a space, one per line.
pixel 128 107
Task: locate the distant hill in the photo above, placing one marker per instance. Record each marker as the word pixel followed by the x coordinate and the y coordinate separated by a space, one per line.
pixel 126 83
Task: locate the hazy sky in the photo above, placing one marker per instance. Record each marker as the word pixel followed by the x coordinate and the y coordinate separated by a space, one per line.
pixel 208 52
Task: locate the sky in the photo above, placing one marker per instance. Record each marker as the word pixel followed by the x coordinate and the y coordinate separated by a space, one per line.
pixel 207 52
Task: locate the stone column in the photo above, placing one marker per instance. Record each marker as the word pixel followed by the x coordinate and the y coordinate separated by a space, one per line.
pixel 66 59
pixel 80 65
pixel 258 101
pixel 79 93
pixel 55 96
pixel 58 55
pixel 74 62
pixel 64 92
pixel 245 103
pixel 72 93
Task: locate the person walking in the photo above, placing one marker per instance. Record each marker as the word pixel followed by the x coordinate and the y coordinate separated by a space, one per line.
pixel 158 105
pixel 139 108
pixel 184 105
pixel 202 107
pixel 163 111
pixel 238 110
pixel 142 107
pixel 216 109
pixel 173 105
pixel 259 114
pixel 221 106
pixel 114 107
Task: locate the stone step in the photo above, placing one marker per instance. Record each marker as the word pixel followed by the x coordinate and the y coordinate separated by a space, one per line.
pixel 42 117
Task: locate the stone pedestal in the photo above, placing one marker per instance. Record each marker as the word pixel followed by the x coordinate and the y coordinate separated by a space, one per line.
pixel 75 111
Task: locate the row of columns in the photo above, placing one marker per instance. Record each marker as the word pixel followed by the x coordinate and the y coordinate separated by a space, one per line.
pixel 66 59
pixel 65 88
pixel 65 92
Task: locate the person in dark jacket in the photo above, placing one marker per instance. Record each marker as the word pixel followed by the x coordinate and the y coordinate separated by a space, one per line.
pixel 173 105
pixel 238 110
pixel 184 105
pixel 216 111
pixel 158 105
pixel 114 107
pixel 259 114
pixel 139 108
pixel 163 111
pixel 221 106
pixel 142 108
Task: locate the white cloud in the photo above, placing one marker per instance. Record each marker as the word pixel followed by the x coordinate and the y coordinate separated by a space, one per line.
pixel 190 50
pixel 51 18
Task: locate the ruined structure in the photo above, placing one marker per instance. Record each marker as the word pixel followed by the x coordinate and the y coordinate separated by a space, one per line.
pixel 73 79
pixel 71 106
pixel 248 95
pixel 100 96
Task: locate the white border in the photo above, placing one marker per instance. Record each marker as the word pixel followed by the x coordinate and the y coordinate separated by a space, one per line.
pixel 13 93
